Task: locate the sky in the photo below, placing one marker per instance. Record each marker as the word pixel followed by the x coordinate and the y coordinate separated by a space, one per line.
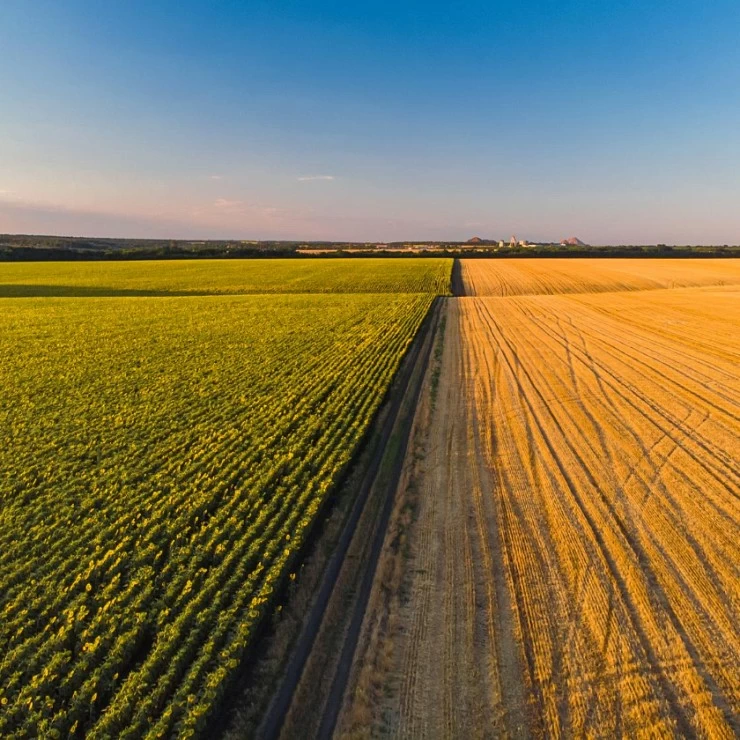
pixel 617 121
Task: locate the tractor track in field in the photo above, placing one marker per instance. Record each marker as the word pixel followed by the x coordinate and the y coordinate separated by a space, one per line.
pixel 570 567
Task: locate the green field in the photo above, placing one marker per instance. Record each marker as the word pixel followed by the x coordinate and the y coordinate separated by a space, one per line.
pixel 206 277
pixel 162 459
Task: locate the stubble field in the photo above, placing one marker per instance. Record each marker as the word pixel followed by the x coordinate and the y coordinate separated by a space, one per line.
pixel 572 567
pixel 509 277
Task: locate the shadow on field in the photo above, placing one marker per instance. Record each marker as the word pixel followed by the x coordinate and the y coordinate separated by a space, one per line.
pixel 457 285
pixel 83 291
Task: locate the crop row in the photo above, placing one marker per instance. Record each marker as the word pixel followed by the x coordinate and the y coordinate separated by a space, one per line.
pixel 157 477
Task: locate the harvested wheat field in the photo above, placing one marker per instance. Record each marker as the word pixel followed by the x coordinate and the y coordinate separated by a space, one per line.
pixel 507 277
pixel 565 554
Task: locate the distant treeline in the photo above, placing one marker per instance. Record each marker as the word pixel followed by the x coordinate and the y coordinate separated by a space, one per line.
pixel 50 248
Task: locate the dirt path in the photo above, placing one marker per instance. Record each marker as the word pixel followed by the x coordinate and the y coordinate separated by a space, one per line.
pixel 454 626
pixel 456 669
pixel 567 563
pixel 457 284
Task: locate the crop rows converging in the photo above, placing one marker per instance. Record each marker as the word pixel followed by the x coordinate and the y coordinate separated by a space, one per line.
pixel 162 460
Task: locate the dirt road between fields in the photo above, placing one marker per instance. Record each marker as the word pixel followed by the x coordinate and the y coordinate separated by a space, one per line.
pixel 563 556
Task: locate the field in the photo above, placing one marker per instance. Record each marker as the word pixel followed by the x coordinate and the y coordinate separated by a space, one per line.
pixel 214 277
pixel 508 277
pixel 562 559
pixel 162 461
pixel 564 555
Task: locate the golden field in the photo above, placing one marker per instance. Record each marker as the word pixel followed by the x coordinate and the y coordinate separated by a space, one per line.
pixel 507 277
pixel 571 567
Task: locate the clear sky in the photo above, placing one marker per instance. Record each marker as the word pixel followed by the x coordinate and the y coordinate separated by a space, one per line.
pixel 617 121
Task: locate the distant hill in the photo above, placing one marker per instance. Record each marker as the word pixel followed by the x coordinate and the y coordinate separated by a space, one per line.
pixel 481 242
pixel 573 241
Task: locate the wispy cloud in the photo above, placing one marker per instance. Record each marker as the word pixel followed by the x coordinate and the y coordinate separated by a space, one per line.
pixel 226 207
pixel 307 178
pixel 223 218
pixel 215 177
pixel 229 206
pixel 28 217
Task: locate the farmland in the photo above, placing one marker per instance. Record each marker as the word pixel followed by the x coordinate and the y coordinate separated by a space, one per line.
pixel 216 277
pixel 562 558
pixel 507 277
pixel 163 460
pixel 569 518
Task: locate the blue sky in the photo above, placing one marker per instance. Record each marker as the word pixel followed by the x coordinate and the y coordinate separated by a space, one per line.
pixel 618 122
